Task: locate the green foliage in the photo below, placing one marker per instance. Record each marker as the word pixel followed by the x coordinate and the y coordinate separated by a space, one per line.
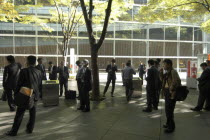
pixel 192 11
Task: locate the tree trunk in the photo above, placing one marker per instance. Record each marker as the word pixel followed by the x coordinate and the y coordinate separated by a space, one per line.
pixel 95 74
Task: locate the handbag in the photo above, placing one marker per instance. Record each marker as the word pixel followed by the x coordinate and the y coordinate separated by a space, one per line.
pixel 25 97
pixel 181 93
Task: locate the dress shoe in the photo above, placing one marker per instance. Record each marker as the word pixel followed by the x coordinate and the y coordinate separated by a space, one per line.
pixel 12 109
pixel 10 133
pixel 28 131
pixel 155 108
pixel 86 110
pixel 169 130
pixel 112 95
pixel 195 109
pixel 165 126
pixel 147 110
pixel 80 108
pixel 207 109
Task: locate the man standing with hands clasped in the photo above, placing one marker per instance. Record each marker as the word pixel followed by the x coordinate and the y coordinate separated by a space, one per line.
pixel 111 69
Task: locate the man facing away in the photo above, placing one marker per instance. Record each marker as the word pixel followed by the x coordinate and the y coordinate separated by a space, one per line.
pixel 111 70
pixel 170 82
pixel 41 67
pixel 128 73
pixel 52 71
pixel 86 85
pixel 10 77
pixel 34 81
pixel 63 77
pixel 152 87
pixel 204 86
pixel 78 78
pixel 141 70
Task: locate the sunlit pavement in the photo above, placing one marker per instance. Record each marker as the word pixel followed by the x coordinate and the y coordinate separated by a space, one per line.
pixel 111 119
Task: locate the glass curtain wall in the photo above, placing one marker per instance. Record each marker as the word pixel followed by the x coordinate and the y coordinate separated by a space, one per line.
pixel 125 40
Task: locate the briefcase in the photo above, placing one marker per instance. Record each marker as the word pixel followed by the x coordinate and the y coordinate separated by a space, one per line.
pixel 70 94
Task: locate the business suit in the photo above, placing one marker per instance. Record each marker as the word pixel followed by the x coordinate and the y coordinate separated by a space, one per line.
pixel 41 67
pixel 35 80
pixel 152 87
pixel 79 83
pixel 63 78
pixel 52 72
pixel 204 87
pixel 141 70
pixel 86 83
pixel 111 70
pixel 10 77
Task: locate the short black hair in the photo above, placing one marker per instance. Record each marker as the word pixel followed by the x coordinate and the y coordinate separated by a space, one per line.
pixel 39 59
pixel 113 60
pixel 50 63
pixel 158 60
pixel 203 65
pixel 151 62
pixel 128 64
pixel 11 59
pixel 78 62
pixel 31 60
pixel 168 61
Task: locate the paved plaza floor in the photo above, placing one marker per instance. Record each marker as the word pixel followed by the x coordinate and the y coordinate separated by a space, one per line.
pixel 110 119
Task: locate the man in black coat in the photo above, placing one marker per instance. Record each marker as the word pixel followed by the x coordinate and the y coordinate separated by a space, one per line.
pixel 86 81
pixel 78 78
pixel 152 87
pixel 29 77
pixel 10 77
pixel 204 88
pixel 41 67
pixel 63 77
pixel 111 70
pixel 52 71
pixel 141 70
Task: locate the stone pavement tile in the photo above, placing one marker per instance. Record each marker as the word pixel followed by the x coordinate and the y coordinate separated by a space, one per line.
pixel 145 126
pixel 117 135
pixel 188 129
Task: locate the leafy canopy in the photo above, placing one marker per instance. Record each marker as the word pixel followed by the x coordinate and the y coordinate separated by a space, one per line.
pixel 194 11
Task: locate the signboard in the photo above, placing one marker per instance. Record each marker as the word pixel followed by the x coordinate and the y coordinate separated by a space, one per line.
pixel 209 57
pixel 192 69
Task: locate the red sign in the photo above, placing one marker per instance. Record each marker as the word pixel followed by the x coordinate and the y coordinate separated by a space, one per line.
pixel 209 57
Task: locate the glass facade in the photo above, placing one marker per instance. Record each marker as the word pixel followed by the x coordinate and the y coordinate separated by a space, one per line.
pixel 125 40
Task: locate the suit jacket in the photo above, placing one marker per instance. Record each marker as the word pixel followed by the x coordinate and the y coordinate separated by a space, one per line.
pixel 204 80
pixel 52 73
pixel 25 81
pixel 141 70
pixel 10 76
pixel 152 79
pixel 111 71
pixel 63 73
pixel 86 79
pixel 42 69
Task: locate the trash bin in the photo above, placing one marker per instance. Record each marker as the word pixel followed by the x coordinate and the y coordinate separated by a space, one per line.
pixel 50 92
pixel 137 85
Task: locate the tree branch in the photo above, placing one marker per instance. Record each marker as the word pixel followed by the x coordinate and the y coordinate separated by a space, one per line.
pixel 108 12
pixel 88 22
pixel 203 4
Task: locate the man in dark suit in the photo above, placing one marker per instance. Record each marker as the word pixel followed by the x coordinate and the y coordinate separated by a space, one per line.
pixel 63 77
pixel 52 71
pixel 152 87
pixel 111 70
pixel 141 70
pixel 204 87
pixel 10 77
pixel 86 81
pixel 78 78
pixel 29 77
pixel 41 67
